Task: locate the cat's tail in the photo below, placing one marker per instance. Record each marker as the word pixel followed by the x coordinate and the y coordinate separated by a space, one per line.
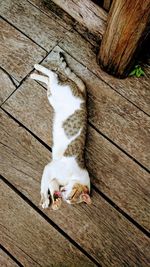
pixel 71 75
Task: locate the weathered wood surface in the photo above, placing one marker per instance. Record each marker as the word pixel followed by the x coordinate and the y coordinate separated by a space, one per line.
pixel 119 178
pixel 102 231
pixel 17 53
pixel 7 86
pixel 31 238
pixel 127 28
pixel 55 12
pixel 6 261
pixel 112 169
pixel 45 31
pixel 109 112
pixel 87 13
pixel 68 22
pixel 107 4
pixel 134 89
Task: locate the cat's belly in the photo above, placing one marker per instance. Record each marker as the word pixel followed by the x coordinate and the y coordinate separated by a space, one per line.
pixel 63 170
pixel 67 169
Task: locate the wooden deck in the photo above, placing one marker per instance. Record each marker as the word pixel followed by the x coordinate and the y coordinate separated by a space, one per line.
pixel 114 230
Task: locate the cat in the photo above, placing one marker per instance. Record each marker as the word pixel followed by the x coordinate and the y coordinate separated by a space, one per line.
pixel 65 177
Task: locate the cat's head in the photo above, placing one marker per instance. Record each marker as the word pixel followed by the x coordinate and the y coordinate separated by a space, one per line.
pixel 76 193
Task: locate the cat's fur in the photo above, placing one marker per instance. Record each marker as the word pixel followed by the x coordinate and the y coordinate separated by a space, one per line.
pixel 66 171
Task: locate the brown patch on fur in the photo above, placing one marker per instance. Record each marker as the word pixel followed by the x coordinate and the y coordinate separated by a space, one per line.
pixel 76 147
pixel 74 123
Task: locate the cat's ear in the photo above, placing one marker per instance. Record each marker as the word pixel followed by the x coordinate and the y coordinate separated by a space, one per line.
pixel 86 198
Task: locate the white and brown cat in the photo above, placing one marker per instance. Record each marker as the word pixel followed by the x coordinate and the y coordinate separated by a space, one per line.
pixel 66 173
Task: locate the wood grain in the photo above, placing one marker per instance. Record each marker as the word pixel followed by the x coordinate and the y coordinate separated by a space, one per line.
pixel 6 261
pixel 102 231
pixel 134 89
pixel 109 165
pixel 44 30
pixel 17 53
pixel 87 13
pixel 34 241
pixel 119 178
pixel 106 4
pixel 68 22
pixel 127 29
pixel 111 114
pixel 7 86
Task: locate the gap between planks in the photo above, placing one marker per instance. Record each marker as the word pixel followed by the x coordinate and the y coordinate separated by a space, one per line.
pixel 88 258
pixel 110 223
pixel 44 216
pixel 8 259
pixel 101 135
pixel 60 42
pixel 103 195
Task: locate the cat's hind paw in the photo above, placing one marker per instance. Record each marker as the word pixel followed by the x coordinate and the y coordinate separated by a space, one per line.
pixel 44 202
pixel 56 204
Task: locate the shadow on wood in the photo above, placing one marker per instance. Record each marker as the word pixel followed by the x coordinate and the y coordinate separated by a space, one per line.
pixel 127 28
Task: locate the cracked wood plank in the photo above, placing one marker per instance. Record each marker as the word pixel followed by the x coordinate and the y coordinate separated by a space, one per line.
pixel 7 85
pixel 30 106
pixel 17 53
pixel 101 230
pixel 44 30
pixel 133 89
pixel 32 240
pixel 51 9
pixel 87 13
pixel 6 261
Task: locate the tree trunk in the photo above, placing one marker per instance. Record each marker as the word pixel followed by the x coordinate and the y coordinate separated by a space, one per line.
pixel 128 26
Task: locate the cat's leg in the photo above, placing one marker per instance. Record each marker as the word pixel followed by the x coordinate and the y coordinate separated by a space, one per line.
pixel 52 80
pixel 49 184
pixel 46 177
pixel 40 78
pixel 52 75
pixel 54 191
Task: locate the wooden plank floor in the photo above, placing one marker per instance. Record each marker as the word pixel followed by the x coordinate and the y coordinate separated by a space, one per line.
pixel 115 229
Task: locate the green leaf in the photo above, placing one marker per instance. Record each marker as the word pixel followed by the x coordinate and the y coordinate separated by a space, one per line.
pixel 138 73
pixel 132 73
pixel 142 72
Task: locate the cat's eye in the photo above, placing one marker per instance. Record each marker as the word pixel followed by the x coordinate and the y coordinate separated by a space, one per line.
pixel 63 190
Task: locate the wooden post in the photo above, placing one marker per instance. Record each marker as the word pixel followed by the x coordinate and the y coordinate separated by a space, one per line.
pixel 127 27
